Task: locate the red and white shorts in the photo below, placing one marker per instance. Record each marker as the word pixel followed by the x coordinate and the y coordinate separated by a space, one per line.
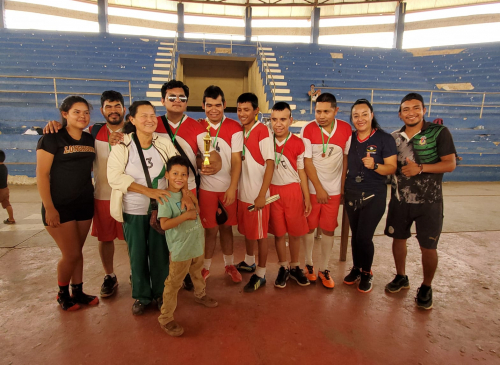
pixel 105 227
pixel 287 213
pixel 209 203
pixel 253 225
pixel 324 216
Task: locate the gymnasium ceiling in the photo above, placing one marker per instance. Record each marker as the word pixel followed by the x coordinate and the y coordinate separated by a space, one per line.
pixel 292 8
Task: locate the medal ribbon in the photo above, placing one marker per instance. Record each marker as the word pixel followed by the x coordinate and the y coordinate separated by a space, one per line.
pixel 324 147
pixel 245 142
pixel 276 159
pixel 218 129
pixel 177 129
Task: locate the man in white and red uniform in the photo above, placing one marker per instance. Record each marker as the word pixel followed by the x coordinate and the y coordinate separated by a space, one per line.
pixel 220 188
pixel 184 131
pixel 327 141
pixel 287 215
pixel 187 136
pixel 256 175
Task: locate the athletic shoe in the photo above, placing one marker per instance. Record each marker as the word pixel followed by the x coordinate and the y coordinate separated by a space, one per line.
pixel 8 221
pixel 399 282
pixel 424 297
pixel 138 308
pixel 80 297
pixel 297 274
pixel 326 279
pixel 309 270
pixel 243 266
pixel 205 273
pixel 108 286
pixel 66 302
pixel 233 273
pixel 188 283
pixel 173 329
pixel 365 283
pixel 207 301
pixel 159 302
pixel 353 276
pixel 255 283
pixel 283 275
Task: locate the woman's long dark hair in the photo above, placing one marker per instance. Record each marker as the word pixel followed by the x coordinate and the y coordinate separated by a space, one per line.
pixel 68 103
pixel 375 124
pixel 132 110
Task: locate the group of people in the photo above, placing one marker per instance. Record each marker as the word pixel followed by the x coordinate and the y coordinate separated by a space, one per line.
pixel 150 176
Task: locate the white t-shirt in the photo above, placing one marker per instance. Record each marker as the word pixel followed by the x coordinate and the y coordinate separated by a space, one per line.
pixel 290 162
pixel 328 168
pixel 228 141
pixel 258 149
pixel 135 203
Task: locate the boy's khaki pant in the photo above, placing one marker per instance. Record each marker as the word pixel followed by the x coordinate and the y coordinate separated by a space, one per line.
pixel 177 273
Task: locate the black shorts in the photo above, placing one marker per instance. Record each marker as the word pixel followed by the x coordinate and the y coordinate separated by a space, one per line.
pixel 80 210
pixel 428 218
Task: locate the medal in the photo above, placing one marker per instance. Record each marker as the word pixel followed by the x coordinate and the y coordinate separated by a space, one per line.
pixel 242 158
pixel 323 155
pixel 358 179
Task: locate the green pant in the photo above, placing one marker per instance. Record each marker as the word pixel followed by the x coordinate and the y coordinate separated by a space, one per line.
pixel 149 258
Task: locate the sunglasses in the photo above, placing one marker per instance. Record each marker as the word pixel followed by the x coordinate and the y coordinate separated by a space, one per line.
pixel 182 98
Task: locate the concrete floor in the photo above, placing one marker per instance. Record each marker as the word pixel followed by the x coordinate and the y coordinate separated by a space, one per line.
pixel 272 326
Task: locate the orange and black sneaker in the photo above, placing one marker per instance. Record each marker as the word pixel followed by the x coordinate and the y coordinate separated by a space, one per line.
pixel 309 271
pixel 326 279
pixel 66 302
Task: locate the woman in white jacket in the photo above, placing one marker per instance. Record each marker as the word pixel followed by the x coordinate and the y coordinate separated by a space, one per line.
pixel 130 201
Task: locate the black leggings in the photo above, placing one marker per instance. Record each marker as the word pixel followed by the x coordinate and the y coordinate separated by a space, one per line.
pixel 364 214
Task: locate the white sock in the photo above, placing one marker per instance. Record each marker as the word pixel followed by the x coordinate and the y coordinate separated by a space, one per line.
pixel 308 240
pixel 293 265
pixel 250 260
pixel 207 263
pixel 228 260
pixel 284 264
pixel 326 251
pixel 260 271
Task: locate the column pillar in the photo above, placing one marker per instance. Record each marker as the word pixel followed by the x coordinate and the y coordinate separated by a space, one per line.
pixel 315 15
pixel 102 16
pixel 180 21
pixel 399 26
pixel 248 24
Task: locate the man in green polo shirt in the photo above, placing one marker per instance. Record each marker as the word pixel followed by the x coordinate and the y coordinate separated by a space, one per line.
pixel 425 152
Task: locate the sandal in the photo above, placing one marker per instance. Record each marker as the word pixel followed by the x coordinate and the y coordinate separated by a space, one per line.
pixel 7 221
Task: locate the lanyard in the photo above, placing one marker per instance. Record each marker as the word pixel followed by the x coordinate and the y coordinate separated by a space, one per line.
pixel 177 129
pixel 245 142
pixel 276 159
pixel 108 133
pixel 218 130
pixel 323 140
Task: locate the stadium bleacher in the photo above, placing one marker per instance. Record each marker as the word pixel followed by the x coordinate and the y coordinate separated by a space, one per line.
pixel 294 67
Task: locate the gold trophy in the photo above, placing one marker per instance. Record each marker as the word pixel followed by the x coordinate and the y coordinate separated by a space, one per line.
pixel 207 140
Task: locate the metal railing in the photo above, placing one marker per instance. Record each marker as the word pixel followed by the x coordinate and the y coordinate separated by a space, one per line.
pixel 173 58
pixel 55 92
pixel 265 68
pixel 430 103
pixel 204 42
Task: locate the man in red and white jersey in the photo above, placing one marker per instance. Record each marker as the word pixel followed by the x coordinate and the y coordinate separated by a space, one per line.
pixel 227 139
pixel 256 175
pixel 288 214
pixel 185 133
pixel 104 227
pixel 327 142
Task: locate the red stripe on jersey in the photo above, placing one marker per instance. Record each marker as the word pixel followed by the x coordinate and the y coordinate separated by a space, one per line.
pixel 102 135
pixel 189 130
pixel 294 147
pixel 343 131
pixel 228 128
pixel 257 134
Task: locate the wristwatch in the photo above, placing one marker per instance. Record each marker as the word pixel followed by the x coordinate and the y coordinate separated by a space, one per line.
pixel 375 167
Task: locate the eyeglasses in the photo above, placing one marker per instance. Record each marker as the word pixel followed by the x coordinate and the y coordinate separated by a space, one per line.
pixel 182 98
